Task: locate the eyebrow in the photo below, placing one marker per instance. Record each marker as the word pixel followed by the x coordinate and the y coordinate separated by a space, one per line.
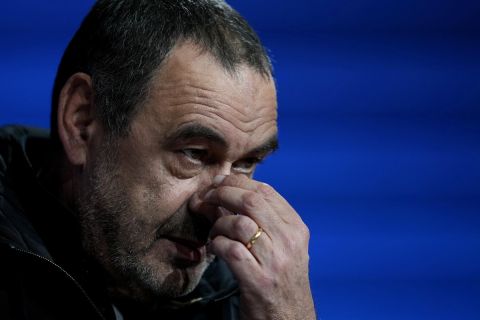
pixel 198 131
pixel 269 146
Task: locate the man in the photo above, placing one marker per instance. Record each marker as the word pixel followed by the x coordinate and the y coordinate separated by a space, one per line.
pixel 141 204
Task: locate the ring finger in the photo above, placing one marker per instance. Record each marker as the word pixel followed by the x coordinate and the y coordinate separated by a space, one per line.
pixel 242 229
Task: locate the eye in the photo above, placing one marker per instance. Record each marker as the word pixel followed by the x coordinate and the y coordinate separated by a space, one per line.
pixel 247 165
pixel 195 154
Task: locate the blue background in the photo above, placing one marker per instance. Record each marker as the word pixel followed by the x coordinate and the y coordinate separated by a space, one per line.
pixel 380 139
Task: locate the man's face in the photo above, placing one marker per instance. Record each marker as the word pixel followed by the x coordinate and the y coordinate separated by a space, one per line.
pixel 198 122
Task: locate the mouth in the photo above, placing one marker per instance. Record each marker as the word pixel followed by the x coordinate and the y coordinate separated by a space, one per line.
pixel 189 252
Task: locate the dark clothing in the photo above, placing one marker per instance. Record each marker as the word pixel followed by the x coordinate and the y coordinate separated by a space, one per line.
pixel 44 272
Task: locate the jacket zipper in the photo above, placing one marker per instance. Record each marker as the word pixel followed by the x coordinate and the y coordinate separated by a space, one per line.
pixel 65 273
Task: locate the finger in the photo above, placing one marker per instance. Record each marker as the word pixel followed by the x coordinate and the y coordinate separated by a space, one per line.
pixel 211 211
pixel 271 196
pixel 282 237
pixel 240 261
pixel 240 228
pixel 244 230
pixel 243 202
pixel 237 227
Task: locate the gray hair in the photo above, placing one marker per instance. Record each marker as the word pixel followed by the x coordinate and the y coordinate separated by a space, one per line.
pixel 121 43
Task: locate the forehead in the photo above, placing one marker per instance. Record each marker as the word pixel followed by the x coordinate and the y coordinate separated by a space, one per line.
pixel 192 87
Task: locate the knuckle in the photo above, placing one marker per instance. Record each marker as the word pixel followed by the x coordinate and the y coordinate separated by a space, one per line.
pixel 282 264
pixel 268 280
pixel 265 189
pixel 218 227
pixel 242 225
pixel 251 201
pixel 304 232
pixel 297 242
pixel 216 244
pixel 233 180
pixel 278 265
pixel 290 244
pixel 236 251
pixel 221 193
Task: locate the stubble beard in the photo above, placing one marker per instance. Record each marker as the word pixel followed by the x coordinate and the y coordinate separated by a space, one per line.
pixel 105 216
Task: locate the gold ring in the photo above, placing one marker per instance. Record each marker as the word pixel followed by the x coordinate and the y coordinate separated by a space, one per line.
pixel 257 235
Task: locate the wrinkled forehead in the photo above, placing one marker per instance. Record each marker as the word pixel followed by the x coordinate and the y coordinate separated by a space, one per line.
pixel 193 88
pixel 187 63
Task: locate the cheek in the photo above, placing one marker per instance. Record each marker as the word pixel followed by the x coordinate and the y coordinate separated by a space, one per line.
pixel 159 194
pixel 157 186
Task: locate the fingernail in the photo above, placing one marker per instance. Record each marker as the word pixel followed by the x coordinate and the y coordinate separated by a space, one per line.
pixel 218 179
pixel 208 194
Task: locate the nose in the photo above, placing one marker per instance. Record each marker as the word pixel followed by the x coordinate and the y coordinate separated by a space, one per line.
pixel 196 204
pixel 207 181
pixel 223 170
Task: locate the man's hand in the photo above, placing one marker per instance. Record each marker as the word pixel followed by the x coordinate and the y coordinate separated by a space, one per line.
pixel 273 273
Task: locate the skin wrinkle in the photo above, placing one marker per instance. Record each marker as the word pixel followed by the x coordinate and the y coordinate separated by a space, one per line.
pixel 187 87
pixel 213 104
pixel 246 131
pixel 247 124
pixel 261 132
pixel 193 130
pixel 201 93
pixel 199 133
pixel 156 181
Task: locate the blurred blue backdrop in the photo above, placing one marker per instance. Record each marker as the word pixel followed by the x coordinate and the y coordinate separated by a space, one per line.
pixel 380 139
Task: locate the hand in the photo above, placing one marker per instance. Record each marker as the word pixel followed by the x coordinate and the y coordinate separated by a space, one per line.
pixel 273 273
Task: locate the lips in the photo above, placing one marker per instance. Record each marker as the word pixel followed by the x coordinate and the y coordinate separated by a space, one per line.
pixel 188 250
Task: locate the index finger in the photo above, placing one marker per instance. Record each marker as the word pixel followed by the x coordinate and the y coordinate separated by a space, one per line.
pixel 269 194
pixel 244 202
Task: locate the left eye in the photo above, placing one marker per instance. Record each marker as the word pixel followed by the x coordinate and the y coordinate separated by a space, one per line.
pixel 195 154
pixel 246 165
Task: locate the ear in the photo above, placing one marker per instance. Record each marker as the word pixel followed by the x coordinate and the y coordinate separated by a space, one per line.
pixel 76 117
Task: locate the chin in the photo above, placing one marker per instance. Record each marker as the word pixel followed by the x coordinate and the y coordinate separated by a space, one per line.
pixel 146 279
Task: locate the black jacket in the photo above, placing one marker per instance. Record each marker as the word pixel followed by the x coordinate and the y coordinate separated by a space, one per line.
pixel 45 274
